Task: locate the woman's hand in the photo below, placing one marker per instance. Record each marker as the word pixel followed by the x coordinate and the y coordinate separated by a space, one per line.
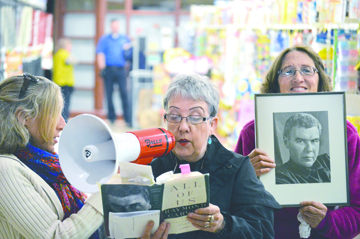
pixel 261 161
pixel 207 219
pixel 313 212
pixel 161 233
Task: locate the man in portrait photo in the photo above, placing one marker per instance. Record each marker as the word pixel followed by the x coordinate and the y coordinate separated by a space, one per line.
pixel 128 198
pixel 302 138
pixel 124 198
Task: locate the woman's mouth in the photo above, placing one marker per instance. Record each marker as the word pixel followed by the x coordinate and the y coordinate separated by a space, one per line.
pixel 183 142
pixel 56 139
pixel 299 89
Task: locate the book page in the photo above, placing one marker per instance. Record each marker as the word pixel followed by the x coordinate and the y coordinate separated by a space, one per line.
pixel 131 172
pixel 132 224
pixel 182 195
pixel 174 199
pixel 127 198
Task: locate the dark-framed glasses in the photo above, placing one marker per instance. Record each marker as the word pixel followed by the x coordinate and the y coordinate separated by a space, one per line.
pixel 304 71
pixel 192 119
pixel 27 79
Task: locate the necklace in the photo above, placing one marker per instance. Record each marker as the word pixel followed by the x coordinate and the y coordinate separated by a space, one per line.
pixel 177 163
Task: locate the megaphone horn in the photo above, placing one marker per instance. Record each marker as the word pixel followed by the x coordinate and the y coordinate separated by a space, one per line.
pixel 126 142
pixel 89 152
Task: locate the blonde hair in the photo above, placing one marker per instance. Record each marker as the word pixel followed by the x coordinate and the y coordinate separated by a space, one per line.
pixel 42 102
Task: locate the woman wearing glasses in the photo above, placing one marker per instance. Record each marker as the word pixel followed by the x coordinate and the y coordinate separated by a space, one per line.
pixel 36 200
pixel 239 205
pixel 299 69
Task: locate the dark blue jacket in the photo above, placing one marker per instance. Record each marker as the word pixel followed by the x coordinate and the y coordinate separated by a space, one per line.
pixel 248 209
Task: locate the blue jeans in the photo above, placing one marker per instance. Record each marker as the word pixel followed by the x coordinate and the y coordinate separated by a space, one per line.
pixel 66 92
pixel 116 75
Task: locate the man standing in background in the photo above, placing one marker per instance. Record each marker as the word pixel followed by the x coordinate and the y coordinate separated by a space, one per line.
pixel 112 50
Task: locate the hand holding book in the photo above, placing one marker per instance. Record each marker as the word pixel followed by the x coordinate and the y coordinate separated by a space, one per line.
pixel 207 219
pixel 169 202
pixel 135 220
pixel 161 232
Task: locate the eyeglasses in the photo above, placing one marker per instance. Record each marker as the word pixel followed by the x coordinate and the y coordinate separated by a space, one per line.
pixel 192 119
pixel 304 71
pixel 27 79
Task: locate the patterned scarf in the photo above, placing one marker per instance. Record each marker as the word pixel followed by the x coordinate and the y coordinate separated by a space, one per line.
pixel 47 166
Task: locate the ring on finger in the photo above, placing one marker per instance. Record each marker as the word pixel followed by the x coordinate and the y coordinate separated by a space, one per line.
pixel 211 218
pixel 207 224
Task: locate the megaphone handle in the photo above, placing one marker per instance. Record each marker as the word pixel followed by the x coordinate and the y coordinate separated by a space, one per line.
pixel 143 161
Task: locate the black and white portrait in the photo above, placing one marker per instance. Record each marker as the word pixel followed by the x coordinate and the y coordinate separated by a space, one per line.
pixel 124 198
pixel 128 198
pixel 305 134
pixel 301 142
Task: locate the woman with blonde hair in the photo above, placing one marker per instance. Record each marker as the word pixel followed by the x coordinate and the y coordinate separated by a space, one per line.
pixel 36 200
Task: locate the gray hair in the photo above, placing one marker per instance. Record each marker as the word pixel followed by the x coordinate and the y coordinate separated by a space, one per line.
pixel 195 87
pixel 304 120
pixel 43 102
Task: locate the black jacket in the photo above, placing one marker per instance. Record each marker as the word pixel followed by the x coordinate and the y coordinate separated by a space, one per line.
pixel 247 207
pixel 290 172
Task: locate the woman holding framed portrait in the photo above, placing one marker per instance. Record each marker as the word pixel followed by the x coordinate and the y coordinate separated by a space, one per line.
pixel 299 69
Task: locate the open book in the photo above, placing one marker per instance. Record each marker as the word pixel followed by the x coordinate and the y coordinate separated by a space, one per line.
pixel 129 206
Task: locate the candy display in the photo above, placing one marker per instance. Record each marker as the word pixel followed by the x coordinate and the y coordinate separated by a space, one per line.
pixel 347 52
pixel 235 45
pixel 243 39
pixel 270 12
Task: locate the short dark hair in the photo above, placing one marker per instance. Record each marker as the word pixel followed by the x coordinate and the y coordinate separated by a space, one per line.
pixel 271 83
pixel 304 120
pixel 127 190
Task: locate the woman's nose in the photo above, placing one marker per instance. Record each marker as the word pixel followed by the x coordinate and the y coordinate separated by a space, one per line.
pixel 298 77
pixel 61 123
pixel 184 125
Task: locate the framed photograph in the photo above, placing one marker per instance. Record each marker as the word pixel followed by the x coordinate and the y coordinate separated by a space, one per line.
pixel 305 133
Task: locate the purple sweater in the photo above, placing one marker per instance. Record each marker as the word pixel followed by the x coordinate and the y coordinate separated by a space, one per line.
pixel 340 223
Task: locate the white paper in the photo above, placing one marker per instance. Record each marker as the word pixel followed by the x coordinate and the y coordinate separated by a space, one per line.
pixel 132 224
pixel 130 171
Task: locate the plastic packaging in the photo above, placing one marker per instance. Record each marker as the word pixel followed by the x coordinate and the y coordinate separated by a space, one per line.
pixel 304 227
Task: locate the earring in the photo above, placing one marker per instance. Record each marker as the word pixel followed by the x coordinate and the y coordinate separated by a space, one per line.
pixel 209 140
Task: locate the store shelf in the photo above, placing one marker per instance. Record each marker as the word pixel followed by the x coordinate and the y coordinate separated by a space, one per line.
pixel 351 26
pixel 352 104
